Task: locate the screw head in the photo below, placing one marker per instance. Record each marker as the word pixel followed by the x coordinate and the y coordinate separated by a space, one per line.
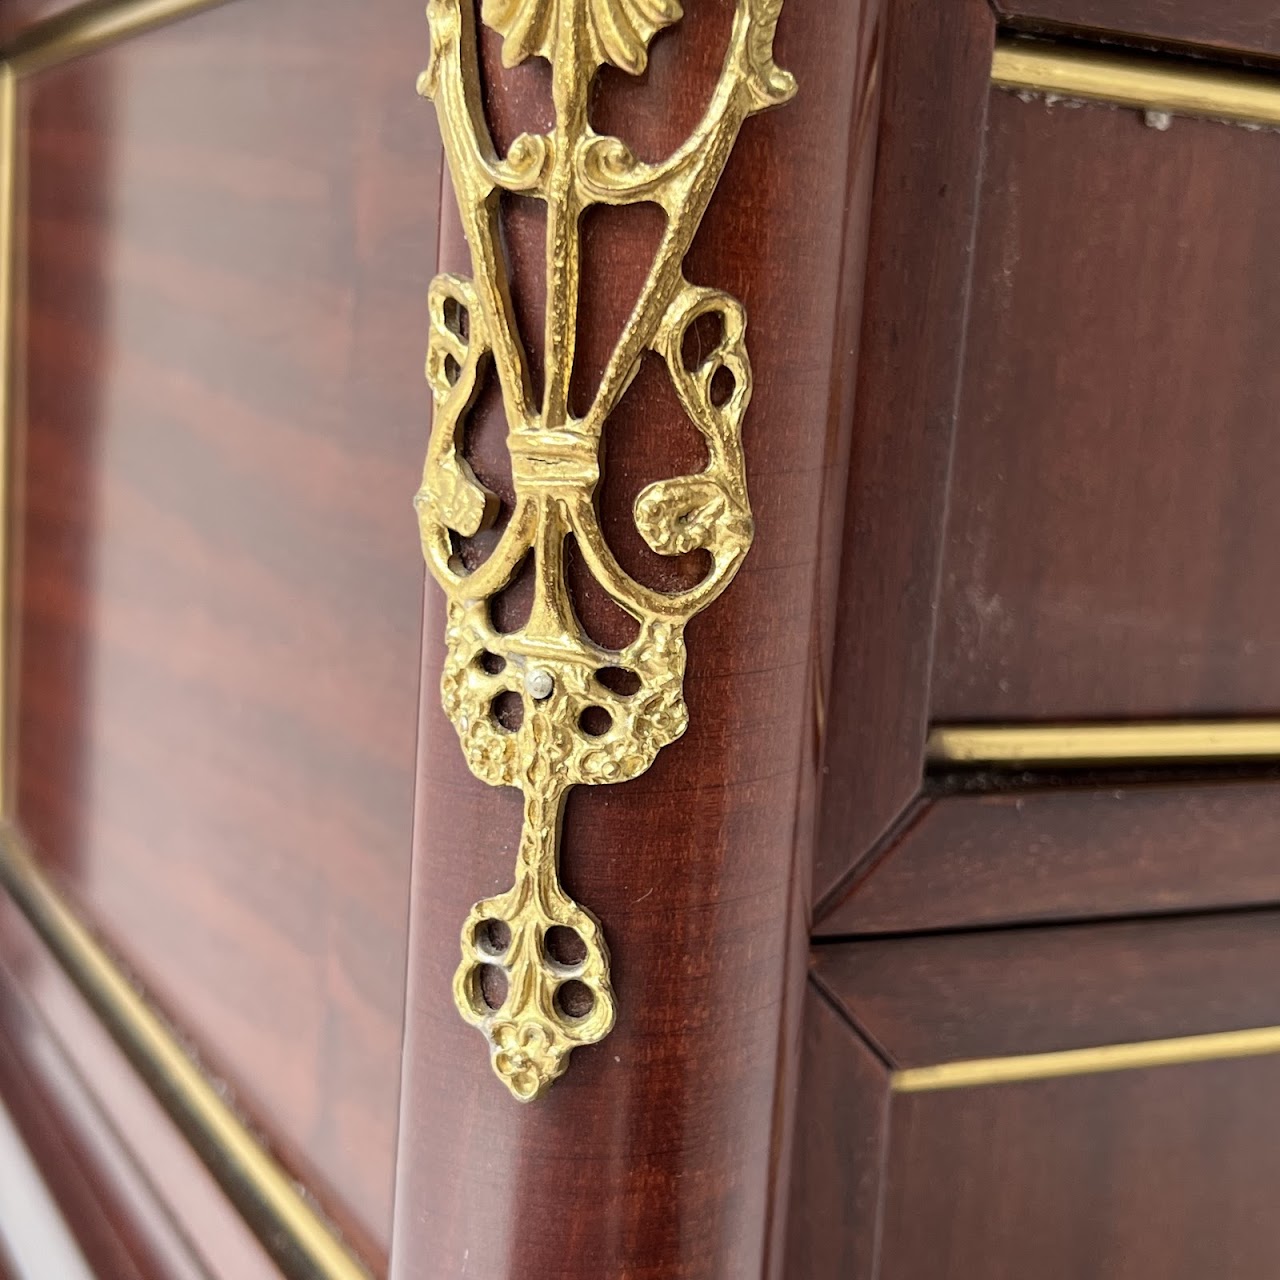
pixel 539 684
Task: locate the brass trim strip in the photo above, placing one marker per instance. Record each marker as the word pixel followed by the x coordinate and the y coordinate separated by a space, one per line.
pixel 1085 746
pixel 1178 87
pixel 90 27
pixel 1220 1046
pixel 302 1244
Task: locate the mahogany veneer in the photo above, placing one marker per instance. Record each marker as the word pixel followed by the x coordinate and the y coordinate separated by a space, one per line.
pixel 230 230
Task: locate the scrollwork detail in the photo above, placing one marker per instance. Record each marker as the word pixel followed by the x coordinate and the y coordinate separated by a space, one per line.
pixel 576 726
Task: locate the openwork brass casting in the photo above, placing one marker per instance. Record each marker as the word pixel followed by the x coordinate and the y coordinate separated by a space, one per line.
pixel 550 663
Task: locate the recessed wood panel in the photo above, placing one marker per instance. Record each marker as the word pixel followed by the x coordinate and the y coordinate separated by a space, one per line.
pixel 230 231
pixel 1169 1173
pixel 1115 507
pixel 1071 852
pixel 935 61
pixel 953 997
pixel 1112 1167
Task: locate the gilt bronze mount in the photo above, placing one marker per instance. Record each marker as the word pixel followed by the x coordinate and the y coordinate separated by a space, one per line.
pixel 550 663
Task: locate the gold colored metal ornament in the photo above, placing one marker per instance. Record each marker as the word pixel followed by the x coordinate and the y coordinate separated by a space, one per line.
pixel 550 662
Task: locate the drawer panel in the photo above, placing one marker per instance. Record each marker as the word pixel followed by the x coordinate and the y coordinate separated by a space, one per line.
pixel 1115 507
pixel 1080 1101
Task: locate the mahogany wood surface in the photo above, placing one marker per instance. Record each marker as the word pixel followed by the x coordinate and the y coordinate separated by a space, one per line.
pixel 1139 1173
pixel 1114 508
pixel 661 1152
pixel 936 69
pixel 1166 1174
pixel 230 231
pixel 842 1137
pixel 926 1000
pixel 1247 26
pixel 138 1198
pixel 1067 852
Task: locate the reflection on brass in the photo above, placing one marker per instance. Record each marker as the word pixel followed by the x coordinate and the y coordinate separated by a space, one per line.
pixel 1220 1046
pixel 1086 746
pixel 575 729
pixel 1178 87
pixel 303 1245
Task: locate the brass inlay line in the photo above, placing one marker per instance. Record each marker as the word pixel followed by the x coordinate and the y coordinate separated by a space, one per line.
pixel 90 27
pixel 301 1242
pixel 1178 87
pixel 1220 1046
pixel 1086 746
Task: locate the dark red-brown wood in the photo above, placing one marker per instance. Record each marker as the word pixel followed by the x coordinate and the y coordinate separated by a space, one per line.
pixel 230 229
pixel 841 1142
pixel 1140 1173
pixel 1070 852
pixel 1114 507
pixel 661 1152
pixel 927 1000
pixel 1245 26
pixel 139 1201
pixel 935 72
pixel 1146 1175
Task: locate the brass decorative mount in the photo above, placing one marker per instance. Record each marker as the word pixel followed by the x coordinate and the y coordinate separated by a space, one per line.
pixel 549 662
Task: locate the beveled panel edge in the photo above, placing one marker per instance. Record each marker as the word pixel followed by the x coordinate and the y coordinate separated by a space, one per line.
pixel 90 27
pixel 301 1242
pixel 1082 746
pixel 35 1238
pixel 1176 87
pixel 1220 1046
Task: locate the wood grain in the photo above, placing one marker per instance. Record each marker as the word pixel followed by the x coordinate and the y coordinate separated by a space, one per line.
pixel 1114 507
pixel 659 1153
pixel 1071 852
pixel 1247 26
pixel 136 1196
pixel 1132 1176
pixel 1138 1174
pixel 936 67
pixel 929 1000
pixel 231 229
pixel 842 1142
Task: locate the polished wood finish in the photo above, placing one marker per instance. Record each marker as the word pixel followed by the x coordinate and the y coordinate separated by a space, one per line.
pixel 1041 853
pixel 138 1198
pixel 1114 508
pixel 1245 26
pixel 926 1000
pixel 662 1152
pixel 1140 1173
pixel 935 69
pixel 842 1139
pixel 1169 1173
pixel 229 226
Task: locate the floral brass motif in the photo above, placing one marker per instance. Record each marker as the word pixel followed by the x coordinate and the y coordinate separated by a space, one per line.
pixel 549 662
